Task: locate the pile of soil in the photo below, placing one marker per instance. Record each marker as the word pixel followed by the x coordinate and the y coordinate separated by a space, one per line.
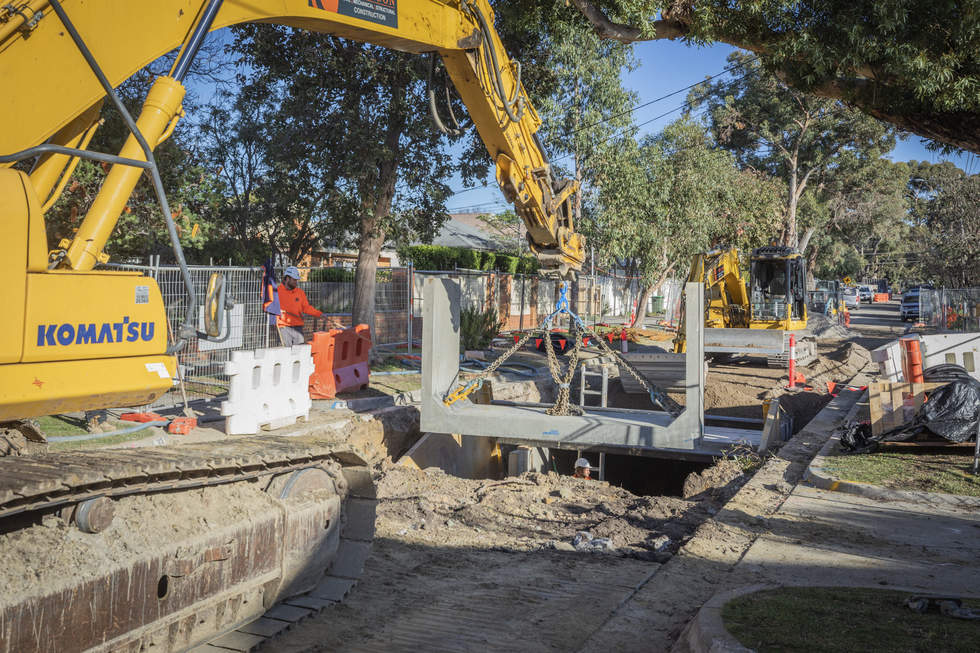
pixel 822 326
pixel 538 511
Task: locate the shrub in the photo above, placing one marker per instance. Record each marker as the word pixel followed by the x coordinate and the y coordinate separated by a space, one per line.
pixel 469 259
pixel 478 328
pixel 436 257
pixel 489 258
pixel 528 265
pixel 507 263
pixel 319 275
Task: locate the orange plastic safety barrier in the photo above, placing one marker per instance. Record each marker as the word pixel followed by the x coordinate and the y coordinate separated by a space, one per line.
pixel 880 297
pixel 340 361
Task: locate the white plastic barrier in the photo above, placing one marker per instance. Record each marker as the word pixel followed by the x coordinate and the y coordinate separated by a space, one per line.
pixel 959 348
pixel 889 359
pixel 268 388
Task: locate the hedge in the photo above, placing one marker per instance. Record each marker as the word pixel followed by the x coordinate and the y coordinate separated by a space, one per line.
pixel 437 257
pixel 318 275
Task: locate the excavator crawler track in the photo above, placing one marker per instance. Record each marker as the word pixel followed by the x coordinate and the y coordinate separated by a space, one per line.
pixel 170 548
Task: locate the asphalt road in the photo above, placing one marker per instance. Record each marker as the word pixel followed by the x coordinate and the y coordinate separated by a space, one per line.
pixel 876 324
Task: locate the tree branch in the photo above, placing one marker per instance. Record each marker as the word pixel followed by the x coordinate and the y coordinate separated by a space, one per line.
pixel 607 29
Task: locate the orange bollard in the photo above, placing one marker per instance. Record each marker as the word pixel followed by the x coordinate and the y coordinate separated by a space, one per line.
pixel 792 360
pixel 912 360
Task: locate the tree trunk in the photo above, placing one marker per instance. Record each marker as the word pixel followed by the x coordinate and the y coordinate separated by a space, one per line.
pixel 811 262
pixel 806 239
pixel 789 224
pixel 641 306
pixel 365 276
pixel 378 194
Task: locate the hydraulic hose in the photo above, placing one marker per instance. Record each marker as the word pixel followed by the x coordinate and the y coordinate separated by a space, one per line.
pixel 97 436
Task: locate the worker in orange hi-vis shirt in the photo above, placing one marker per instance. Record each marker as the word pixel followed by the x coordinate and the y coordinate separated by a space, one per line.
pixel 293 303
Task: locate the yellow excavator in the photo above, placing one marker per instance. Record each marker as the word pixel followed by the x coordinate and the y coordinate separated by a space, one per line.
pixel 773 297
pixel 80 337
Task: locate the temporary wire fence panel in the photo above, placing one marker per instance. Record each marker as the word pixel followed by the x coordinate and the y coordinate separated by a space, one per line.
pixel 950 309
pixel 201 361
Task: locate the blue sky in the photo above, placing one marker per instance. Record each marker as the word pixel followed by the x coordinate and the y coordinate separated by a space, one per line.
pixel 664 67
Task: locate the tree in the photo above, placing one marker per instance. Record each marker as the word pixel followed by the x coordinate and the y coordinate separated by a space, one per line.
pixel 141 229
pixel 798 138
pixel 677 194
pixel 587 111
pixel 946 204
pixel 354 119
pixel 913 65
pixel 861 221
pixel 509 226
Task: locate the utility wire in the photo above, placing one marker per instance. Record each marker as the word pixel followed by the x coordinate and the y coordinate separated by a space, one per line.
pixel 663 97
pixel 633 110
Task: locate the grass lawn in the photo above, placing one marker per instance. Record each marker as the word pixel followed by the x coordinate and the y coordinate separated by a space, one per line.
pixel 61 425
pixel 837 620
pixel 945 473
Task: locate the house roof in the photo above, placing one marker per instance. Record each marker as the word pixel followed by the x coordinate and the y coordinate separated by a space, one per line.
pixel 461 231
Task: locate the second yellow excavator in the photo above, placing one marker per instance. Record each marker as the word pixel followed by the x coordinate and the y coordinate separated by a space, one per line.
pixel 773 296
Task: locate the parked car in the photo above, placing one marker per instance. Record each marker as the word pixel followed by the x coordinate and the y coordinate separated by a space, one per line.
pixel 866 294
pixel 910 303
pixel 851 298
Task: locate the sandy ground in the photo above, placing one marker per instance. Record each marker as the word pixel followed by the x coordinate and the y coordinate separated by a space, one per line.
pixel 532 559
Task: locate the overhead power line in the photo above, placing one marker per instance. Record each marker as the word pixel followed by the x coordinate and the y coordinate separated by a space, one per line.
pixel 634 109
pixel 663 97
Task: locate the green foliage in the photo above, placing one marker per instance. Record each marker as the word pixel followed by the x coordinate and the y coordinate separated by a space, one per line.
pixel 890 58
pixel 946 206
pixel 438 257
pixel 507 263
pixel 478 328
pixel 674 195
pixel 528 265
pixel 800 139
pixel 319 275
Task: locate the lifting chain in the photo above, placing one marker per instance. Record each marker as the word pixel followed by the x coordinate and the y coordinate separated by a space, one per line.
pixel 563 384
pixel 476 382
pixel 578 330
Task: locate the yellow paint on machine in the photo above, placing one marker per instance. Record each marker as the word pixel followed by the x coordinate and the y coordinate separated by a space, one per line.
pixel 30 390
pixel 74 316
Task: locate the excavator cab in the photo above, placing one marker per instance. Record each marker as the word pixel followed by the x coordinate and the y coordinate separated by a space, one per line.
pixel 778 289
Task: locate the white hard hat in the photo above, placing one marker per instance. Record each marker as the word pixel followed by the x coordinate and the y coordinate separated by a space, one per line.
pixel 582 462
pixel 291 271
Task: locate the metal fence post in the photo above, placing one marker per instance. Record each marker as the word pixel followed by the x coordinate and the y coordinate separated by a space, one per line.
pixel 410 303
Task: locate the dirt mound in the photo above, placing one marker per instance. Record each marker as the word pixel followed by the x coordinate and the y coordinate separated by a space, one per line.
pixel 824 327
pixel 533 511
pixel 719 482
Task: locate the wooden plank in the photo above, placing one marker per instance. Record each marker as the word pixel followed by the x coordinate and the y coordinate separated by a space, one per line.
pixel 886 405
pixel 964 448
pixel 770 429
pixel 874 408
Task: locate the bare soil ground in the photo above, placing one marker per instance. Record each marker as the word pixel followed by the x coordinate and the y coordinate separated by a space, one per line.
pixel 511 553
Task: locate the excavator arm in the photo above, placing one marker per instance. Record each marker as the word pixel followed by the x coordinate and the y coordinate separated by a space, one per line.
pixel 53 95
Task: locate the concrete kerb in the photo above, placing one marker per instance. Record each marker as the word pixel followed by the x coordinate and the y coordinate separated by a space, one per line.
pixel 818 476
pixel 706 632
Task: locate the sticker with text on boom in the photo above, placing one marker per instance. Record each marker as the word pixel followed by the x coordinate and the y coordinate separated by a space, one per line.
pixel 382 12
